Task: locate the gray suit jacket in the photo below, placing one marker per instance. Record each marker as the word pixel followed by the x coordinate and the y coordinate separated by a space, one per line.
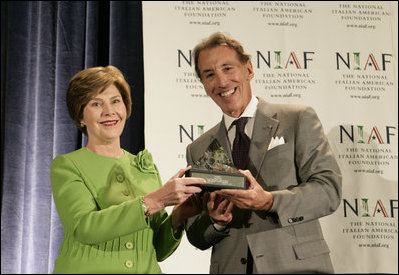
pixel 305 180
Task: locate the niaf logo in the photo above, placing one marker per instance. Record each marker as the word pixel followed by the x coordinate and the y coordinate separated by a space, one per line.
pixel 379 209
pixel 363 135
pixel 354 61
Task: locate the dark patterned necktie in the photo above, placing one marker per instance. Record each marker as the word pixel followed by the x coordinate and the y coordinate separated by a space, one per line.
pixel 241 144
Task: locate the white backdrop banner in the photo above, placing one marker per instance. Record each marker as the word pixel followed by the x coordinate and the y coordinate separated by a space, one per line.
pixel 340 57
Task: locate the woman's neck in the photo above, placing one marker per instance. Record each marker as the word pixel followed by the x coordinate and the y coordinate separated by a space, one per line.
pixel 113 150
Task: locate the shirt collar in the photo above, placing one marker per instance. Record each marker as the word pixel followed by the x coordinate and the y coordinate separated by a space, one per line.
pixel 249 111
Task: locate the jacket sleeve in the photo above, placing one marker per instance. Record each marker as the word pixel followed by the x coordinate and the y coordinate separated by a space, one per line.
pixel 317 189
pixel 199 228
pixel 165 242
pixel 79 212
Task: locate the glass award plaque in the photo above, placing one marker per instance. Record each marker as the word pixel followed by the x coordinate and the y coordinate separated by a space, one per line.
pixel 217 169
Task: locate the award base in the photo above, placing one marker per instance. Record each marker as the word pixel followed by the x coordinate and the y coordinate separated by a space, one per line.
pixel 216 180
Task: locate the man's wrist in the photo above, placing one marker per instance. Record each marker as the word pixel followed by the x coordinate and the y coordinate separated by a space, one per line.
pixel 269 201
pixel 218 227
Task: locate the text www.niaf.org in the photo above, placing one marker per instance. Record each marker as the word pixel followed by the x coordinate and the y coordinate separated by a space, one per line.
pixel 375 245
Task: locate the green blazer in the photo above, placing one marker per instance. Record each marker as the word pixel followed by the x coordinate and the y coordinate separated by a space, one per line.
pixel 105 229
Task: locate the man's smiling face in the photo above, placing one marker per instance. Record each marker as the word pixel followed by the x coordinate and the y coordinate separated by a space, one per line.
pixel 226 80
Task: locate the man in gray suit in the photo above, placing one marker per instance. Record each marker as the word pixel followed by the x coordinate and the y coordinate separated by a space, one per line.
pixel 292 175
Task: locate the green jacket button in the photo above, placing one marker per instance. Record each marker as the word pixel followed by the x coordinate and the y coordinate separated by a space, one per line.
pixel 129 245
pixel 129 264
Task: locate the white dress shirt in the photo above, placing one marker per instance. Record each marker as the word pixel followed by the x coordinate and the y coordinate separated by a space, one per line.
pixel 249 112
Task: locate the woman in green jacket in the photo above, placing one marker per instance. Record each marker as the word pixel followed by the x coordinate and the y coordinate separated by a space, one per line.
pixel 111 202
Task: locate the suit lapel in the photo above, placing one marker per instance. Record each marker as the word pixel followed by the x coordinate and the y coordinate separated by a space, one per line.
pixel 221 136
pixel 265 126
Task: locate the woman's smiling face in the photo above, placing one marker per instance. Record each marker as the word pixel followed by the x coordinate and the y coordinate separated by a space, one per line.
pixel 105 116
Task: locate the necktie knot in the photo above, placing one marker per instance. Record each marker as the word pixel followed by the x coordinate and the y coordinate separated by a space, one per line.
pixel 240 124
